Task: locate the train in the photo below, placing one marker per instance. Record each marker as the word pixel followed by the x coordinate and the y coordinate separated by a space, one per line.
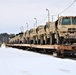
pixel 57 37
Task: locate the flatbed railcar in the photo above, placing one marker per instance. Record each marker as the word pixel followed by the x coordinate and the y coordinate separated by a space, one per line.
pixel 56 37
pixel 55 49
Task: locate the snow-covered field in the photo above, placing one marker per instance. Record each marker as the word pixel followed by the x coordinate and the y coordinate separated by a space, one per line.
pixel 19 62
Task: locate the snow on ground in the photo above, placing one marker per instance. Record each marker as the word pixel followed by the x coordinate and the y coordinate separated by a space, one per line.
pixel 18 62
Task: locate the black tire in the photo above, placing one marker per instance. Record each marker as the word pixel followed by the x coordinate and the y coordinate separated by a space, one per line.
pixel 57 39
pixel 45 39
pixel 41 40
pixel 52 39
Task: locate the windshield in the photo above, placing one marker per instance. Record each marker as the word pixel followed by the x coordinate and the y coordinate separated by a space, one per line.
pixel 74 20
pixel 66 21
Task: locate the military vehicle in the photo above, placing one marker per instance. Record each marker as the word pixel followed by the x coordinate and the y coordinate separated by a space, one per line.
pixel 32 35
pixel 27 37
pixel 40 34
pixel 20 35
pixel 62 30
pixel 16 39
pixel 49 33
pixel 24 38
pixel 11 40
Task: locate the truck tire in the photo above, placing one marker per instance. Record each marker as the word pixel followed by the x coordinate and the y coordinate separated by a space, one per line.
pixel 57 39
pixel 51 39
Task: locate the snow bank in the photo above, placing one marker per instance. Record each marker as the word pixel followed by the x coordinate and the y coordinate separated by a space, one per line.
pixel 18 62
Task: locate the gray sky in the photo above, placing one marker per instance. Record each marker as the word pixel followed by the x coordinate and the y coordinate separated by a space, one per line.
pixel 15 13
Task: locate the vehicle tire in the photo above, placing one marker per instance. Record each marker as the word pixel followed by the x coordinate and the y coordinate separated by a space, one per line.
pixel 51 39
pixel 45 39
pixel 41 40
pixel 57 39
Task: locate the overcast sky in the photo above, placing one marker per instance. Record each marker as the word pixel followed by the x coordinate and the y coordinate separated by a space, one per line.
pixel 15 13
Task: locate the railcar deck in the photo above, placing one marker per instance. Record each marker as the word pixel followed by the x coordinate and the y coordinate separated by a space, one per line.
pixel 59 49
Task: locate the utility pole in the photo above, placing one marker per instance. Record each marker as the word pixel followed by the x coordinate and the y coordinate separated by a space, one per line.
pixel 27 26
pixel 27 34
pixel 48 15
pixel 36 22
pixel 36 33
pixel 52 18
pixel 34 25
pixel 21 29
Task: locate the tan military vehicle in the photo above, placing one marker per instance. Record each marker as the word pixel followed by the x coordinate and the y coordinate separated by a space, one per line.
pixel 41 34
pixel 32 36
pixel 66 29
pixel 11 40
pixel 20 37
pixel 17 40
pixel 24 38
pixel 63 30
pixel 49 32
pixel 27 37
